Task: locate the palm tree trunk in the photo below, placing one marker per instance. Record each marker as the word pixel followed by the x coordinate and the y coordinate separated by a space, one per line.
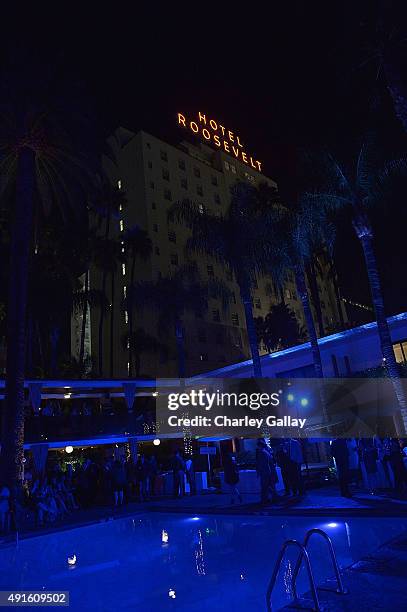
pixel 13 416
pixel 251 329
pixel 312 279
pixel 179 336
pixel 84 317
pixel 112 312
pixel 337 294
pixel 309 321
pixel 366 240
pixel 101 323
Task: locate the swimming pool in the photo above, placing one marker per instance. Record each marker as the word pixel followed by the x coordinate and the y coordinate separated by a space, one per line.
pixel 209 562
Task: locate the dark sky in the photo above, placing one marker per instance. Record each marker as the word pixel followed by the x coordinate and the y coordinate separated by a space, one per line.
pixel 286 77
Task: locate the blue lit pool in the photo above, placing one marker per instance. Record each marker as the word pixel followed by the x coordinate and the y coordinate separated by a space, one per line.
pixel 209 563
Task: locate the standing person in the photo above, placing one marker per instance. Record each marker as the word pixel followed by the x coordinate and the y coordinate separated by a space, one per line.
pixel 353 459
pixel 142 477
pixel 231 470
pixel 178 470
pixel 283 461
pixel 296 460
pixel 339 450
pixel 4 506
pixel 153 473
pixel 397 465
pixel 369 458
pixel 119 482
pixel 266 471
pixel 190 474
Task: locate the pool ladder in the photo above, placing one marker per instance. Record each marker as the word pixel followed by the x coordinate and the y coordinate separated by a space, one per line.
pixel 304 555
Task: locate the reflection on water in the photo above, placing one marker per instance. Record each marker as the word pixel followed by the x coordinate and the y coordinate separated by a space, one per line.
pixel 178 562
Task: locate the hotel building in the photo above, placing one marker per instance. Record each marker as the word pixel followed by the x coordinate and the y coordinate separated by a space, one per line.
pixel 154 174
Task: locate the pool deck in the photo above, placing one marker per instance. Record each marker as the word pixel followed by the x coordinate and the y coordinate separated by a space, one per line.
pixel 375 582
pixel 324 501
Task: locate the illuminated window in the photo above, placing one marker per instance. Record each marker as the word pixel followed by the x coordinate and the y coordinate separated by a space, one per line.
pixel 174 259
pixel 166 174
pixel 126 316
pixel 400 352
pixel 210 270
pixel 216 197
pixel 214 180
pixel 163 155
pixel 197 172
pixel 216 315
pixel 184 183
pixel 181 164
pixel 123 269
pixel 172 237
pixel 119 184
pixel 199 190
pixel 167 194
pixel 121 224
pixel 203 357
pixel 201 209
pixel 235 318
pixel 124 291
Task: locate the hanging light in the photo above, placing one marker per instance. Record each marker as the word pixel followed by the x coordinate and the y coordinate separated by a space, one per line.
pixel 156 442
pixel 69 449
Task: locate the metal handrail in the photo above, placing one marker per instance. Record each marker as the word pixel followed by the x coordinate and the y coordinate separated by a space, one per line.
pixel 340 589
pixel 303 555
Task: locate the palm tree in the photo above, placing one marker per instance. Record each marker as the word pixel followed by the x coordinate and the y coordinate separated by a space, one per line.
pixel 241 240
pixel 173 296
pixel 83 300
pixel 44 162
pixel 137 245
pixel 279 328
pixel 357 194
pixel 107 255
pixel 137 343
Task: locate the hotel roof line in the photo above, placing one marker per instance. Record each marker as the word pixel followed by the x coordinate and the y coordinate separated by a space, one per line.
pixel 298 348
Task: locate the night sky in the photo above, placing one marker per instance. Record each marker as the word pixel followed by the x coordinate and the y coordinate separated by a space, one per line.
pixel 286 78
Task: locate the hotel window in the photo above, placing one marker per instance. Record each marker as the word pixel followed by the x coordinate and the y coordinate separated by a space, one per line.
pixel 181 164
pixel 216 197
pixel 210 270
pixel 166 174
pixel 157 250
pixel 233 168
pixel 238 340
pixel 400 351
pixel 201 335
pixel 235 318
pixel 184 183
pixel 197 172
pixel 167 194
pixel 257 303
pixel 172 237
pixel 201 209
pixel 163 155
pixel 121 225
pixel 151 184
pixel 216 315
pixel 148 145
pixel 119 184
pixel 227 165
pixel 153 205
pixel 214 180
pixel 234 297
pixel 199 190
pixel 203 357
pixel 150 164
pixel 174 259
pixel 123 269
pixel 126 316
pixel 155 227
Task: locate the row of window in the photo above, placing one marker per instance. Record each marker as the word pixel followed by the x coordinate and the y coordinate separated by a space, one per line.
pixel 182 166
pixel 184 185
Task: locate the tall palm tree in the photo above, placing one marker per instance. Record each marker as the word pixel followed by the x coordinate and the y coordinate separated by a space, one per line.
pixel 175 295
pixel 357 193
pixel 44 163
pixel 241 240
pixel 138 245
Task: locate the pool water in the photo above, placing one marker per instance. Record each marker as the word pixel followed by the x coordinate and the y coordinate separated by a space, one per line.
pixel 209 562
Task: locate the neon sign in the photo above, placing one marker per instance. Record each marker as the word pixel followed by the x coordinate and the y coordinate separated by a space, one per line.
pixel 216 134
